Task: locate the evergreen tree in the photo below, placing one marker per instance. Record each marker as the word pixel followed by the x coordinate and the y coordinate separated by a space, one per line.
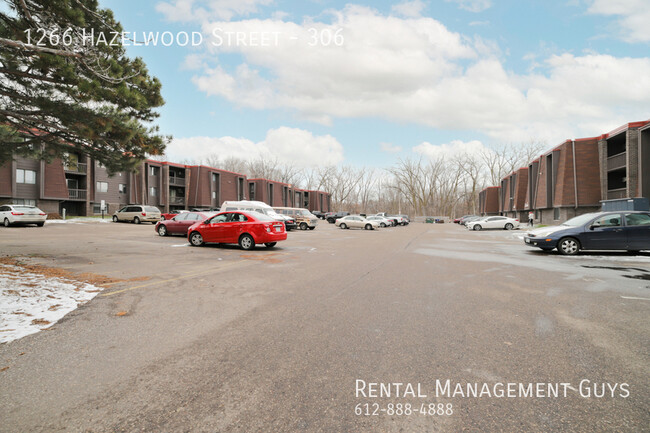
pixel 65 87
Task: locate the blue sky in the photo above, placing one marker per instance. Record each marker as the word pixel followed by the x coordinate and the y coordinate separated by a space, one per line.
pixel 411 77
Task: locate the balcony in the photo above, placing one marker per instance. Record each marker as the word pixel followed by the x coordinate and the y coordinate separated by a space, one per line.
pixel 76 167
pixel 617 161
pixel 176 181
pixel 616 193
pixel 77 194
pixel 176 200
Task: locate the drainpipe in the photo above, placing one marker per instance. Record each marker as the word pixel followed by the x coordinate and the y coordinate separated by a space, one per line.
pixel 575 175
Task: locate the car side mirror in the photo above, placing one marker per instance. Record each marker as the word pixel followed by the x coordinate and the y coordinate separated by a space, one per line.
pixel 594 226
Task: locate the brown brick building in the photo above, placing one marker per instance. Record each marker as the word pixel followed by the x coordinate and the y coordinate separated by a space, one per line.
pixel 488 201
pixel 80 185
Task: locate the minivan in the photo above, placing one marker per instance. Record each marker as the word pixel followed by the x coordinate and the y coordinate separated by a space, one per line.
pixel 304 219
pixel 137 213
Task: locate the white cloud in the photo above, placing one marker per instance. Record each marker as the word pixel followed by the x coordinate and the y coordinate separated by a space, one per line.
pixel 203 10
pixel 293 145
pixel 390 148
pixel 409 9
pixel 473 5
pixel 634 22
pixel 417 71
pixel 449 150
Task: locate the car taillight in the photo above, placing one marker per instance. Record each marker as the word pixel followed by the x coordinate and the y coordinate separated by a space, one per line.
pixel 42 213
pixel 17 213
pixel 144 214
pixel 517 220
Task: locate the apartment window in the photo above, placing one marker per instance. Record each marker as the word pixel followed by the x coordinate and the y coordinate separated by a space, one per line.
pixel 214 195
pixel 102 186
pixel 121 188
pixel 97 208
pixel 556 213
pixel 154 171
pixel 215 177
pixel 153 191
pixel 25 176
pixel 24 201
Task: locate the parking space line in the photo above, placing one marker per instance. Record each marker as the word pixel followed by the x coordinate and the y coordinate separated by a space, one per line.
pixel 153 283
pixel 635 298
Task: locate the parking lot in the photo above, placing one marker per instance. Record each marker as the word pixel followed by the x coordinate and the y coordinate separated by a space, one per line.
pixel 219 339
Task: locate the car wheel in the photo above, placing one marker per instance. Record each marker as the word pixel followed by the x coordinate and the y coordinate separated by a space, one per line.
pixel 382 225
pixel 477 227
pixel 196 240
pixel 509 226
pixel 136 220
pixel 162 230
pixel 6 222
pixel 312 228
pixel 568 246
pixel 270 244
pixel 368 227
pixel 343 226
pixel 40 224
pixel 303 226
pixel 246 242
pixel 114 218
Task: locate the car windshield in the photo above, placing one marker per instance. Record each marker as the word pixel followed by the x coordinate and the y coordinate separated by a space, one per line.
pixel 304 213
pixel 579 220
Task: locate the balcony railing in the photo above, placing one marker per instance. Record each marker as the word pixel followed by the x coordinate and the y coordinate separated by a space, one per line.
pixel 176 200
pixel 76 168
pixel 617 161
pixel 616 193
pixel 77 194
pixel 176 181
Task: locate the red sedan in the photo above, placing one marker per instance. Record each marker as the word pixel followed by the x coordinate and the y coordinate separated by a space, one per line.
pixel 179 224
pixel 243 228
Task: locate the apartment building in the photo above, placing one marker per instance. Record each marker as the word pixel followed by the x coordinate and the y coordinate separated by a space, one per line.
pixel 79 185
pixel 576 176
pixel 488 201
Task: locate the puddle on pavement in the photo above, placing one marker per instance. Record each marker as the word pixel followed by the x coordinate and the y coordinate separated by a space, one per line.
pixel 644 275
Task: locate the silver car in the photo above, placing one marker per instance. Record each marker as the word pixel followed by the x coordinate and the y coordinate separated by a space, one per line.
pixel 14 214
pixel 356 221
pixel 137 214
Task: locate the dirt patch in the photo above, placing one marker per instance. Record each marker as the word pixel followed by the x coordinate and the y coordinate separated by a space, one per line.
pixel 86 277
pixel 268 258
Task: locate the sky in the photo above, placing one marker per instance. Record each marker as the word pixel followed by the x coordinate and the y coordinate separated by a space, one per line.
pixel 317 82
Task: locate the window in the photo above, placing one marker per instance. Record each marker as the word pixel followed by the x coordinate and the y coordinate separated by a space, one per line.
pixel 214 194
pixel 153 191
pixel 219 219
pixel 556 213
pixel 97 208
pixel 25 176
pixel 102 186
pixel 608 221
pixel 121 188
pixel 637 219
pixel 181 216
pixel 215 177
pixel 24 201
pixel 153 171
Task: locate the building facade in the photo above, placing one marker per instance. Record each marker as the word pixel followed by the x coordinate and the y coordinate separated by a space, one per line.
pixel 80 185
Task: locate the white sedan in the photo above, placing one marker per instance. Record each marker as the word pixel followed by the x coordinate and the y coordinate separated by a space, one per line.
pixel 11 214
pixel 383 222
pixel 356 221
pixel 493 222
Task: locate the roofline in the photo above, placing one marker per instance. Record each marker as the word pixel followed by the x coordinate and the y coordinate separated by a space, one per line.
pixel 625 127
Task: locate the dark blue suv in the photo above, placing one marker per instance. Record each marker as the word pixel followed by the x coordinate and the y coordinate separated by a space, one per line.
pixel 620 230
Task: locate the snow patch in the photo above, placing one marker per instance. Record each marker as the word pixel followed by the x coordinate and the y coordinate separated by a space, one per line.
pixel 31 302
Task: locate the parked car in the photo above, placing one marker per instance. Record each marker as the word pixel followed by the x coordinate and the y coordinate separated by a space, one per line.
pixel 15 214
pixel 464 220
pixel 332 217
pixel 622 230
pixel 493 222
pixel 406 219
pixel 240 227
pixel 401 220
pixel 137 214
pixel 302 217
pixel 261 207
pixel 171 214
pixel 458 220
pixel 318 214
pixel 356 221
pixel 383 222
pixel 178 224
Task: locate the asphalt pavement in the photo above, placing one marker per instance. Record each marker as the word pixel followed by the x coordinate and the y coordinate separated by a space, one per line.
pixel 392 330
